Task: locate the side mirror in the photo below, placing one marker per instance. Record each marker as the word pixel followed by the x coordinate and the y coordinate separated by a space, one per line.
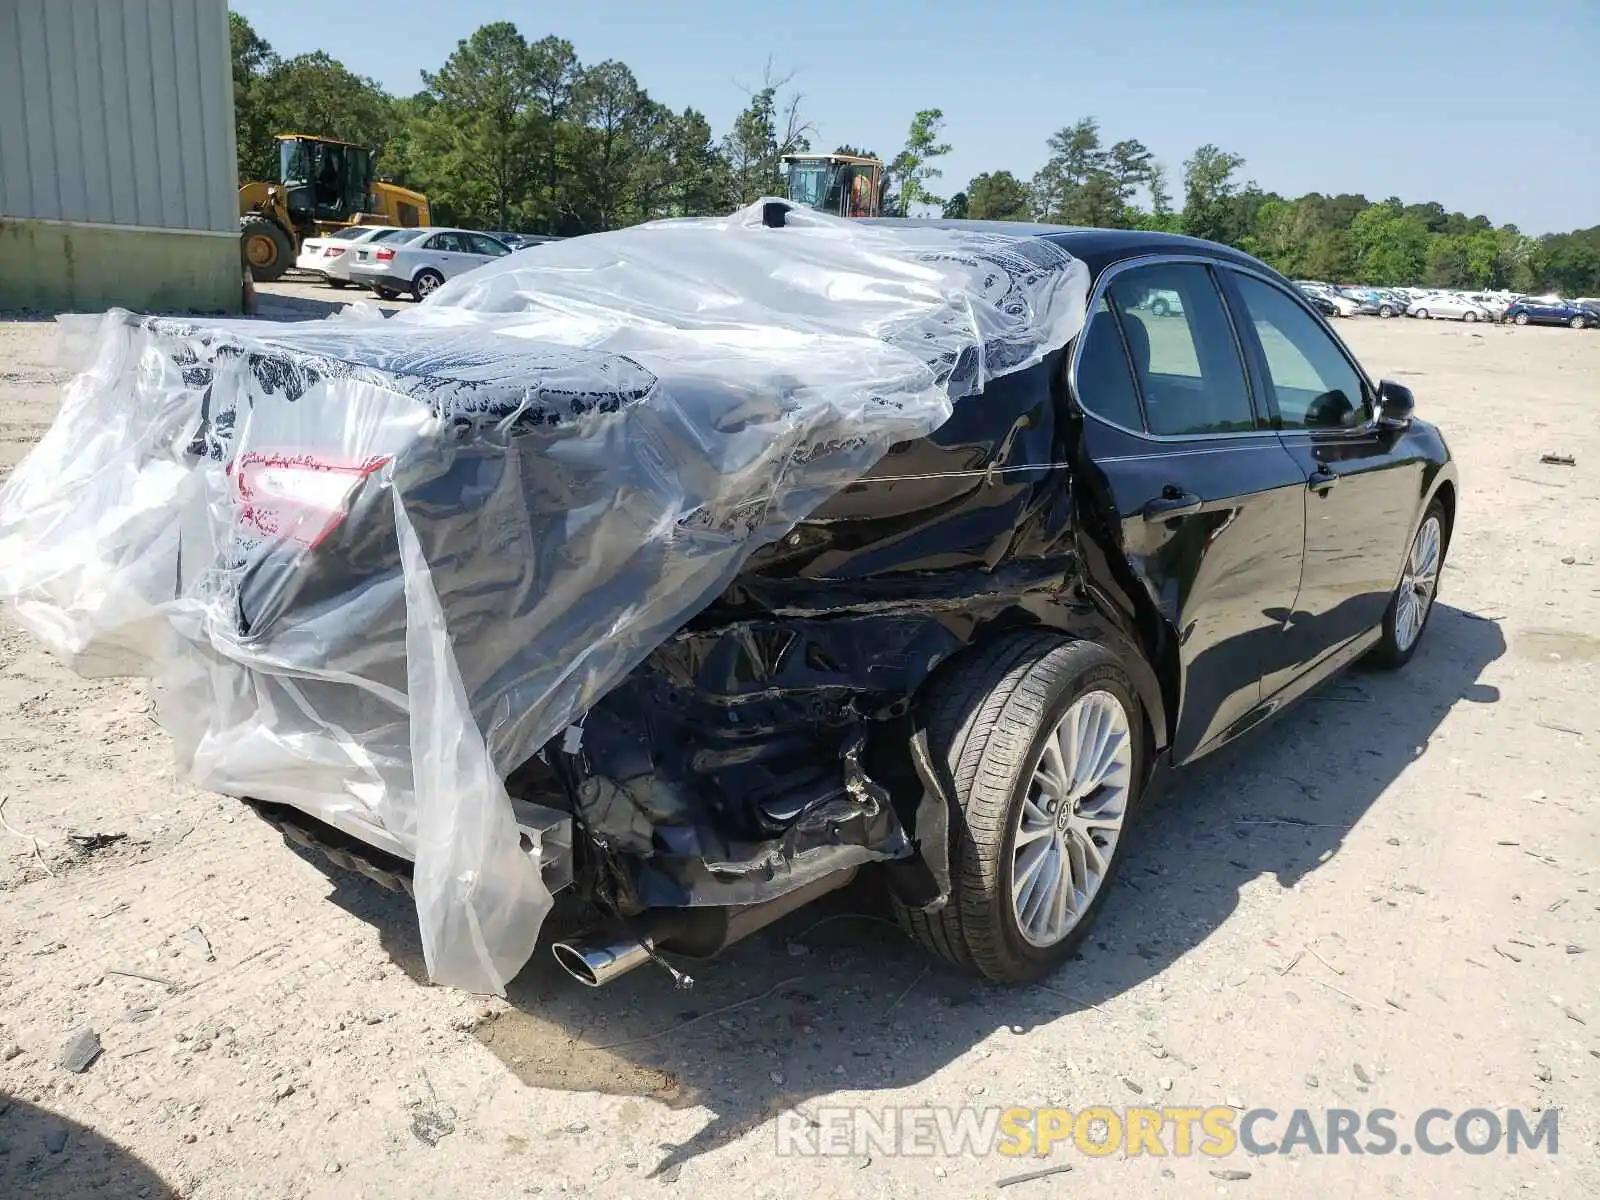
pixel 1395 405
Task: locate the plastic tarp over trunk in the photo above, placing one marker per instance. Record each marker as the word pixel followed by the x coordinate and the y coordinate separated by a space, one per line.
pixel 371 566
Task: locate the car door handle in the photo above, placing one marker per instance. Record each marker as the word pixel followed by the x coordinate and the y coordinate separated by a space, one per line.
pixel 1173 502
pixel 1322 479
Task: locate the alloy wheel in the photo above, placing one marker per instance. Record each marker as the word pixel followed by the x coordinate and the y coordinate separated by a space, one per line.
pixel 1418 584
pixel 1068 825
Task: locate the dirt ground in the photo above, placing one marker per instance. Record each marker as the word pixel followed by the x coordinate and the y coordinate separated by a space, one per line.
pixel 1389 898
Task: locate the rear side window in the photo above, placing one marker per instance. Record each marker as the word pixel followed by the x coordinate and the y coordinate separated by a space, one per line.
pixel 1185 360
pixel 1105 381
pixel 1313 382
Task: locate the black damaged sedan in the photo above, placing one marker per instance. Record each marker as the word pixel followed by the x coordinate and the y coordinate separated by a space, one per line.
pixel 963 670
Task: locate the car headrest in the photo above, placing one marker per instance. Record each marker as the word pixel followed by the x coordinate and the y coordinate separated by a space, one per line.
pixel 1138 346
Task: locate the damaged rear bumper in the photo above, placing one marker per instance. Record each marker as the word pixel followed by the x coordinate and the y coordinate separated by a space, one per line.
pixel 545 835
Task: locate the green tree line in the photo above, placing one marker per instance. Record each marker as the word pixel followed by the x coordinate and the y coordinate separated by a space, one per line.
pixel 518 135
pixel 522 135
pixel 1345 238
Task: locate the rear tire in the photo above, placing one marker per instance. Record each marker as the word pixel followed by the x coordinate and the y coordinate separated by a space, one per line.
pixel 426 283
pixel 264 247
pixel 995 721
pixel 1413 601
pixel 384 293
pixel 1522 318
pixel 337 284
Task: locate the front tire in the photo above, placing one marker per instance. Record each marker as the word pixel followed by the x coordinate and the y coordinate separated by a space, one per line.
pixel 1469 317
pixel 1576 323
pixel 265 247
pixel 1412 602
pixel 1421 314
pixel 1043 743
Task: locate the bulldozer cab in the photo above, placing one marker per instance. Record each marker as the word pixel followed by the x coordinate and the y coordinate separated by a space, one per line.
pixel 842 185
pixel 324 180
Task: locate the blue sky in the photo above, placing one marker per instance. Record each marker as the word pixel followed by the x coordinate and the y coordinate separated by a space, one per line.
pixel 1485 107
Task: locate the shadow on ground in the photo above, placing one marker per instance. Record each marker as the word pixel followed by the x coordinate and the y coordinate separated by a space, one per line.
pixel 834 998
pixel 44 1155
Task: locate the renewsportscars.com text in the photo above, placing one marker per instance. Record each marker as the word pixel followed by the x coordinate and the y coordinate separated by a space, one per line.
pixel 1215 1131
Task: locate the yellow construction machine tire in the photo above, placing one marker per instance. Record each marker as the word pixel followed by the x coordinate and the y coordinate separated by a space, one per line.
pixel 266 249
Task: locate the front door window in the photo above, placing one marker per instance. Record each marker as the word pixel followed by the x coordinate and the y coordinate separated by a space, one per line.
pixel 1312 381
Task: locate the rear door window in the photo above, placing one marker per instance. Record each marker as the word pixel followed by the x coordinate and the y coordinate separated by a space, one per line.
pixel 1185 360
pixel 1314 384
pixel 1104 383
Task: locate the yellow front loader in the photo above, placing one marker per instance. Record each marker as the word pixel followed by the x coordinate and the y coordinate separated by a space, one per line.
pixel 323 185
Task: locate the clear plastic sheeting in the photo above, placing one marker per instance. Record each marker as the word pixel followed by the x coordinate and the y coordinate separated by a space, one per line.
pixel 371 566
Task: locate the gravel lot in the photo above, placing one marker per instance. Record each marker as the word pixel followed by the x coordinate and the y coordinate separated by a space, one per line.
pixel 1389 898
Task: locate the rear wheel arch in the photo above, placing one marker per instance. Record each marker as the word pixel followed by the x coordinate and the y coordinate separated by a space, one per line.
pixel 983 709
pixel 1155 681
pixel 1445 494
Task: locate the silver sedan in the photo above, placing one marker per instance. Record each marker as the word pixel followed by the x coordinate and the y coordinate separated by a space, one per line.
pixel 1449 308
pixel 420 263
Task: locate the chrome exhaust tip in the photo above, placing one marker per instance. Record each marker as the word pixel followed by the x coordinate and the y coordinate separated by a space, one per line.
pixel 595 964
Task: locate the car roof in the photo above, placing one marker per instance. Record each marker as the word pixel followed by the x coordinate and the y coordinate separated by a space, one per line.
pixel 1098 248
pixel 432 229
pixel 350 230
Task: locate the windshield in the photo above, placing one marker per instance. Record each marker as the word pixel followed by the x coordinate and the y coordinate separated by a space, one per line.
pixel 327 180
pixel 296 161
pixel 811 182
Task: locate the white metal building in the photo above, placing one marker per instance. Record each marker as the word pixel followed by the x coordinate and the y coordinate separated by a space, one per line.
pixel 117 164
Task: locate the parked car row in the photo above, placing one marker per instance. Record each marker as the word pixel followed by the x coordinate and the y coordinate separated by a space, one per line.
pixel 1352 301
pixel 1442 304
pixel 392 262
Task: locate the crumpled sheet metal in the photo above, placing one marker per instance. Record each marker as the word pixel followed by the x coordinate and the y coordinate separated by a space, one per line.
pixel 371 566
